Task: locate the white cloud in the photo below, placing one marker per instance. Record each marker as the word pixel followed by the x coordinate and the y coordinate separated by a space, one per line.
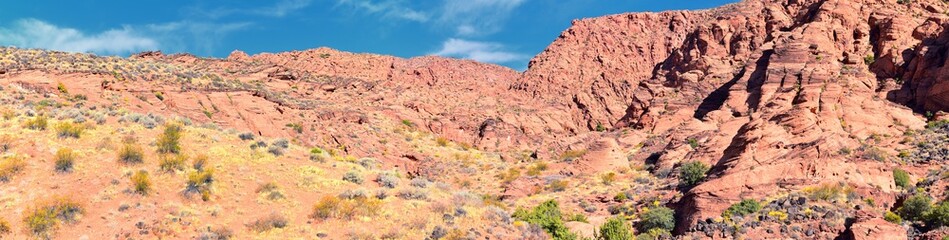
pixel 284 7
pixel 479 51
pixel 280 9
pixel 386 9
pixel 477 17
pixel 196 37
pixel 33 33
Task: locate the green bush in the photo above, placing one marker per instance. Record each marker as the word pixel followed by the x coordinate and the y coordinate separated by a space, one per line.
pixel 655 234
pixel 892 217
pixel 938 216
pixel 547 215
pixel 64 160
pixel 692 173
pixel 916 207
pixel 615 229
pixel 168 140
pixel 901 178
pixel 746 206
pixel 657 218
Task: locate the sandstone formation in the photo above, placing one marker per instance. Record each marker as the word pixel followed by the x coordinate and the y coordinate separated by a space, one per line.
pixel 781 98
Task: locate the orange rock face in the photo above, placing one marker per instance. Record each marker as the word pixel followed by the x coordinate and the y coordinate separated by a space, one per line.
pixel 773 95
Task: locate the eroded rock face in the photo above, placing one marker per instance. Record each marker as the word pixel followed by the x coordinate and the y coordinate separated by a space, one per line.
pixel 774 95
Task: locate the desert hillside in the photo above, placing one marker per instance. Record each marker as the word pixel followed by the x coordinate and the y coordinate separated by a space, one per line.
pixel 763 119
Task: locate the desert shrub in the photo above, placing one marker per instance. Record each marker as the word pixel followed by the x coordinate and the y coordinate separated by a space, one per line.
pixel 915 207
pixel 368 163
pixel 296 127
pixel 620 196
pixel 168 140
pixel 655 234
pixel 68 130
pixel 388 179
pixel 64 160
pixel 200 182
pixel 353 194
pixel 45 217
pixel 869 59
pixel 200 162
pixel 938 216
pixel 827 191
pixel 746 206
pixel 10 166
pixel 4 227
pixel 779 215
pixel 608 178
pixel 6 143
pixel 693 143
pixel 353 177
pixel 141 183
pixel 334 207
pixel 412 194
pixel 692 173
pixel 62 88
pixel 420 182
pixel 657 218
pixel 37 123
pixel 246 136
pixel 131 153
pixel 536 169
pixel 578 218
pixel 614 229
pixel 275 150
pixel 892 217
pixel 271 191
pixel 281 143
pixel 558 185
pixel 171 163
pixel 7 114
pixel 441 141
pixel 901 178
pixel 258 144
pixel 509 176
pixel 570 155
pixel 269 222
pixel 547 215
pixel 218 233
pixel 318 155
pixel 872 153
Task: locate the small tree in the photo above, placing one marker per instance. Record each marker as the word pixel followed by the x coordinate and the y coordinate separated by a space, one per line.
pixel 746 206
pixel 657 218
pixel 547 215
pixel 692 173
pixel 615 229
pixel 916 207
pixel 938 216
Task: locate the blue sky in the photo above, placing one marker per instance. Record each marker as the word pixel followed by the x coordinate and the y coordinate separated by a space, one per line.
pixel 506 32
